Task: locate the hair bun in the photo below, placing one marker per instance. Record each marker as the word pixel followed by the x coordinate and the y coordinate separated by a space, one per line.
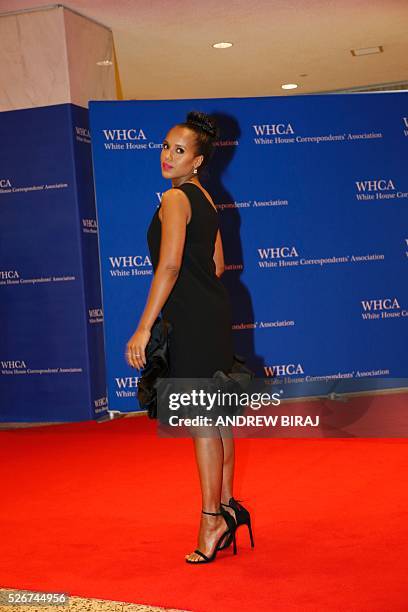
pixel 204 122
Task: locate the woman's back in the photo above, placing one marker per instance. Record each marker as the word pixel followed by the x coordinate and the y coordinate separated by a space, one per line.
pixel 198 306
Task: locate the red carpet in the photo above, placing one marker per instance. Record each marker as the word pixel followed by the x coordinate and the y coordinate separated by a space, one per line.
pixel 109 510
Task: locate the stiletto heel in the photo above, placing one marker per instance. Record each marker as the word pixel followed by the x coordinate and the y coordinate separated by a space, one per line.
pixel 242 517
pixel 229 533
pixel 251 537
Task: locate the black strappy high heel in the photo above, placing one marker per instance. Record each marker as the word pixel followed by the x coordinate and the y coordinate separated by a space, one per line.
pixel 242 517
pixel 229 534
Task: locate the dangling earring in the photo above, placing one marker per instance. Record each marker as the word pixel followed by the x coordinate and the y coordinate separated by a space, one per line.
pixel 195 171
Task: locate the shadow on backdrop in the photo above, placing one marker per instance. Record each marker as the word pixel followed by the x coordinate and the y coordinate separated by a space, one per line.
pixel 230 225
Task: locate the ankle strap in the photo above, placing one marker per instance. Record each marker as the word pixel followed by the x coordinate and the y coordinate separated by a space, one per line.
pixel 212 513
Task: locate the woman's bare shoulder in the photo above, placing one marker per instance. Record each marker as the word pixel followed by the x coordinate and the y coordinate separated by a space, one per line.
pixel 174 193
pixel 173 196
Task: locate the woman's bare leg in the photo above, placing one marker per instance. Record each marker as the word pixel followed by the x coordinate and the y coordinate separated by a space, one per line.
pixel 209 453
pixel 227 467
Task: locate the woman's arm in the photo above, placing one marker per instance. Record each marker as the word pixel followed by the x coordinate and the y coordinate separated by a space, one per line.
pixel 219 255
pixel 176 211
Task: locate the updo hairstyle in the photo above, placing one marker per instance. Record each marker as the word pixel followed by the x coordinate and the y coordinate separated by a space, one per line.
pixel 206 130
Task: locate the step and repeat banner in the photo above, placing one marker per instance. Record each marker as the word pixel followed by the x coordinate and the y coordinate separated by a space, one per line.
pixel 52 365
pixel 312 194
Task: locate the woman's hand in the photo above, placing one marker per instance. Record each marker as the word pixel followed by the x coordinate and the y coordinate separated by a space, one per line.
pixel 135 348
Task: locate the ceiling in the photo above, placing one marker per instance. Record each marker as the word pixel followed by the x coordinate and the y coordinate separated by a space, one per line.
pixel 164 51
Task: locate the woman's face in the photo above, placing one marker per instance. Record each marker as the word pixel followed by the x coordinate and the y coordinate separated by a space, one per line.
pixel 178 155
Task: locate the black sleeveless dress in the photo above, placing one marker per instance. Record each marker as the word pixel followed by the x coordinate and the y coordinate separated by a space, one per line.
pixel 198 306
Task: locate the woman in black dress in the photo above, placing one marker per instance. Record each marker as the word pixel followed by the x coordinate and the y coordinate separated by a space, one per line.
pixel 187 257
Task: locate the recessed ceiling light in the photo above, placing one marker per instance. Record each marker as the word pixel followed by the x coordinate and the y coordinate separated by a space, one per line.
pixel 222 45
pixel 367 50
pixel 289 86
pixel 104 63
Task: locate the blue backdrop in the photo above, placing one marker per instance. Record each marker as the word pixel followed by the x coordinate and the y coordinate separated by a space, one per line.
pixel 312 193
pixel 51 345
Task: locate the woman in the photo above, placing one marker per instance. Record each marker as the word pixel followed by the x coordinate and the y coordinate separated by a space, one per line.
pixel 187 256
